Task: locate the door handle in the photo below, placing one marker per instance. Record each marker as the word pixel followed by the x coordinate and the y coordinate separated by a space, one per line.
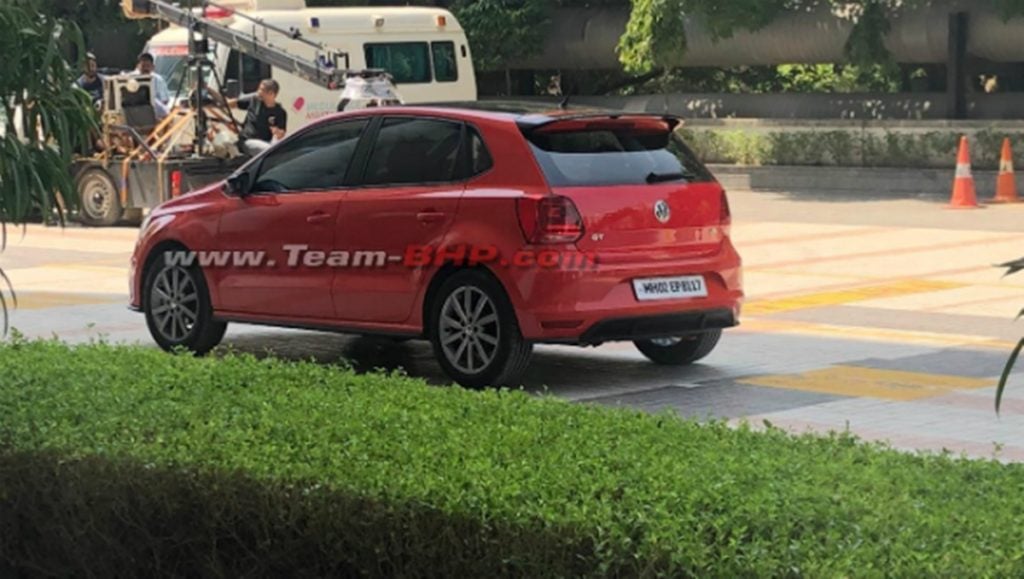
pixel 430 216
pixel 319 217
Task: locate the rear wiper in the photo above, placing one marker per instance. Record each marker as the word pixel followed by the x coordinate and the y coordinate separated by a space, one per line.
pixel 663 177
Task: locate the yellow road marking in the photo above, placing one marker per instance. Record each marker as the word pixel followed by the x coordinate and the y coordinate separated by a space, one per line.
pixel 873 334
pixel 870 382
pixel 108 267
pixel 840 297
pixel 44 300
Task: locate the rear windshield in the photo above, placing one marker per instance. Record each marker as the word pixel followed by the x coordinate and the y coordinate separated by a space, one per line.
pixel 625 154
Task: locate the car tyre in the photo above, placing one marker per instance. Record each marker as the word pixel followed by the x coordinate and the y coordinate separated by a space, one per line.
pixel 178 311
pixel 475 334
pixel 679 351
pixel 98 198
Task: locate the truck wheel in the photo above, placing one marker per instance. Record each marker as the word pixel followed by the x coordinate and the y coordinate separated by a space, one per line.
pixel 474 332
pixel 178 310
pixel 100 202
pixel 132 216
pixel 679 351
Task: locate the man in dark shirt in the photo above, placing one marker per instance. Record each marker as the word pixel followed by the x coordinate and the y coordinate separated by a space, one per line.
pixel 265 121
pixel 91 82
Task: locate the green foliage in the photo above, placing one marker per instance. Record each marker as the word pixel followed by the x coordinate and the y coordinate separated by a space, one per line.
pixel 866 43
pixel 655 34
pixel 502 30
pixel 1009 8
pixel 655 29
pixel 802 78
pixel 84 13
pixel 852 147
pixel 127 461
pixel 44 120
pixel 837 78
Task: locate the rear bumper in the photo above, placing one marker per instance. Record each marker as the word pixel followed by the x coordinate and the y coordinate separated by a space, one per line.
pixel 600 305
pixel 647 327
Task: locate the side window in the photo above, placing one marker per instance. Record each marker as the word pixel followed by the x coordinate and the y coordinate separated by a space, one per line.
pixel 408 62
pixel 316 160
pixel 412 150
pixel 480 157
pixel 247 70
pixel 446 69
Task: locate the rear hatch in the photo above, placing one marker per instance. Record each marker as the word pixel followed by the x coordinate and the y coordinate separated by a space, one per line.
pixel 640 191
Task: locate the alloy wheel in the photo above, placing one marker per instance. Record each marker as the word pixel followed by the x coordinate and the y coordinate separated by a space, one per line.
pixel 666 342
pixel 470 330
pixel 174 303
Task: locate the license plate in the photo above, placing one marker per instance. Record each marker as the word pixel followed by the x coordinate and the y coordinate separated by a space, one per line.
pixel 670 288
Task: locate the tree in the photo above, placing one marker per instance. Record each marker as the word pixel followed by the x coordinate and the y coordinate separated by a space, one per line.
pixel 1009 8
pixel 502 30
pixel 655 30
pixel 43 120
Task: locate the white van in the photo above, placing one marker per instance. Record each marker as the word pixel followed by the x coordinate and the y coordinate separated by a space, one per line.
pixel 424 49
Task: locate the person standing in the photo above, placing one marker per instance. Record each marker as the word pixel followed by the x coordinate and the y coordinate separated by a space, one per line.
pixel 161 95
pixel 147 65
pixel 91 81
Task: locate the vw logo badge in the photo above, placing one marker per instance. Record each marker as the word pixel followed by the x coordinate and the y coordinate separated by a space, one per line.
pixel 662 212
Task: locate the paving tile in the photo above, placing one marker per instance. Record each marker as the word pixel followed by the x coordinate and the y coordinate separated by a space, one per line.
pixel 950 362
pixel 855 315
pixel 716 400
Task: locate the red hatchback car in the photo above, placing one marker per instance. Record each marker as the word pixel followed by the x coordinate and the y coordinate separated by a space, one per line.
pixel 483 232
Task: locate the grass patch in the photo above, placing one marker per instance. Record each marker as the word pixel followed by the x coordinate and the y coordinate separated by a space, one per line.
pixel 125 460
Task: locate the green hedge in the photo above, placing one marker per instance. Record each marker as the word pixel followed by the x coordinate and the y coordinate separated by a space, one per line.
pixel 849 147
pixel 124 461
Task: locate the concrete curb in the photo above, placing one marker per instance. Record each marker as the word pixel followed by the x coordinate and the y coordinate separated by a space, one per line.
pixel 857 182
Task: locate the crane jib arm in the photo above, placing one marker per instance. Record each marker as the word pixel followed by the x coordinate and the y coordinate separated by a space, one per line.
pixel 323 69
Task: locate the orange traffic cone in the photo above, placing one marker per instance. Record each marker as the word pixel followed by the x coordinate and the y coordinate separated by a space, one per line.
pixel 1006 184
pixel 964 194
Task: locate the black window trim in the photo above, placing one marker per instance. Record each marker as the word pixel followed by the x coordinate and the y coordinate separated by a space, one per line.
pixel 371 137
pixel 349 173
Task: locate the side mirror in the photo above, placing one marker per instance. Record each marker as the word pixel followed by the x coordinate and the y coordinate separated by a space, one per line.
pixel 231 89
pixel 237 185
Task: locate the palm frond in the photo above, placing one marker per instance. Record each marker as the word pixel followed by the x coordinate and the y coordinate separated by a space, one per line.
pixel 39 142
pixel 1013 267
pixel 1006 373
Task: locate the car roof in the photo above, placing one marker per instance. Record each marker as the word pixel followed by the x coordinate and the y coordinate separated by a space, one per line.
pixel 526 114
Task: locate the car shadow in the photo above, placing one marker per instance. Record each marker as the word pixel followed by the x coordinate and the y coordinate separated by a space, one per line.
pixel 556 370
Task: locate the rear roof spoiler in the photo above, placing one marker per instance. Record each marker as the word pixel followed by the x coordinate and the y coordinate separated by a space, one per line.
pixel 530 115
pixel 533 122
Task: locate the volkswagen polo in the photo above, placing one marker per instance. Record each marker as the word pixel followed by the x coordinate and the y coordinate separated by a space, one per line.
pixel 483 232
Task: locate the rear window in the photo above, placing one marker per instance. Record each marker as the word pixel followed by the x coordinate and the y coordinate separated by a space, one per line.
pixel 596 153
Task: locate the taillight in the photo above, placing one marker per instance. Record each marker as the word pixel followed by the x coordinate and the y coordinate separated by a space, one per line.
pixel 175 183
pixel 551 219
pixel 725 214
